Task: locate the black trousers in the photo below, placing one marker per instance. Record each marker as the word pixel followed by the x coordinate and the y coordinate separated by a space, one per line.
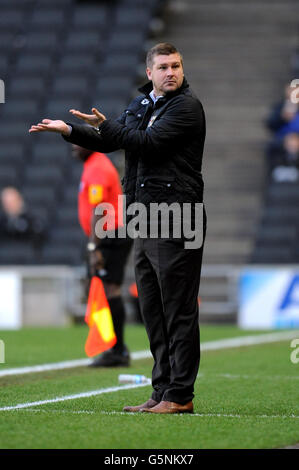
pixel 168 278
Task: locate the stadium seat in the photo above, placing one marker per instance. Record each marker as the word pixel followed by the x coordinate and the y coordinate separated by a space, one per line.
pixel 14 130
pixel 133 18
pixel 70 85
pixel 43 175
pixel 6 41
pixel 77 62
pixel 71 196
pixel 90 16
pixel 41 195
pixel 275 234
pixel 17 252
pixel 125 64
pixel 59 108
pixel 3 66
pixel 63 254
pixel 67 234
pixel 10 19
pixel 111 107
pixel 57 55
pixel 24 107
pixel 9 176
pixel 41 40
pixel 108 86
pixel 84 41
pixel 125 40
pixel 59 3
pixel 11 152
pixel 56 154
pixel 26 87
pixel 34 64
pixel 43 18
pixel 68 215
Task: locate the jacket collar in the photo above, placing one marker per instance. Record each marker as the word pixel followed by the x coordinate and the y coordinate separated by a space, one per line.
pixel 147 88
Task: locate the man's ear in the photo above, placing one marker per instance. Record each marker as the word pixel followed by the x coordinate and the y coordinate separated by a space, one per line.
pixel 149 73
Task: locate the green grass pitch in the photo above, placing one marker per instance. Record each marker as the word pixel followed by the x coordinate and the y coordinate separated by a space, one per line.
pixel 245 398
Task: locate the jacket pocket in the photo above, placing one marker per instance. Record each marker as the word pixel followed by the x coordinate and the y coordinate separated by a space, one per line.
pixel 156 189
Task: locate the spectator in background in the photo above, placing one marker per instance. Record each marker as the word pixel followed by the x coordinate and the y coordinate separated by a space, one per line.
pixel 282 121
pixel 106 257
pixel 284 163
pixel 283 113
pixel 16 220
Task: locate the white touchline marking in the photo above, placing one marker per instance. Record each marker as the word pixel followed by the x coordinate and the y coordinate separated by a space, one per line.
pixel 92 393
pixel 123 413
pixel 207 346
pixel 63 365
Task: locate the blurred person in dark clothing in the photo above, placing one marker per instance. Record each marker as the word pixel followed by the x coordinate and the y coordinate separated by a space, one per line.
pixel 283 112
pixel 17 221
pixel 283 120
pixel 284 161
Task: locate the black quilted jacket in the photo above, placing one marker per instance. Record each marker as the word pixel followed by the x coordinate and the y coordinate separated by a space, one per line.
pixel 163 145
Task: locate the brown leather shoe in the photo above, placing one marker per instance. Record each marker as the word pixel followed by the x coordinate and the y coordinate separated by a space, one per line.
pixel 145 406
pixel 170 407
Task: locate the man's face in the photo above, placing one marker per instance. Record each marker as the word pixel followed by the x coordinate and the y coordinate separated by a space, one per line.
pixel 166 73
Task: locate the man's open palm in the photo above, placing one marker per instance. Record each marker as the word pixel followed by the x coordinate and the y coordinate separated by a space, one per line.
pixel 51 126
pixel 94 119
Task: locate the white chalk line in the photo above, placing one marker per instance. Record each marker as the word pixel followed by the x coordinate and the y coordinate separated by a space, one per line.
pixel 237 342
pixel 76 396
pixel 123 413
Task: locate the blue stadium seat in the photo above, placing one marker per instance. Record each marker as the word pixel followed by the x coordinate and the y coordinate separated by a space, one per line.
pixel 77 62
pixel 68 215
pixel 63 254
pixel 34 64
pixel 10 19
pixel 56 154
pixel 17 252
pixel 12 152
pixel 9 176
pixel 24 107
pixel 43 18
pixel 70 85
pixel 13 130
pixel 84 41
pixel 26 87
pixel 59 108
pixel 41 41
pixel 43 175
pixel 41 196
pixel 89 16
pixel 67 234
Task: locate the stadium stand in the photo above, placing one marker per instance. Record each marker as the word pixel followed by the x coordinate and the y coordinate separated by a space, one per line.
pixel 276 240
pixel 55 56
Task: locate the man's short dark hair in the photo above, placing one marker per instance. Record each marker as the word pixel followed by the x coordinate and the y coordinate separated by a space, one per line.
pixel 163 48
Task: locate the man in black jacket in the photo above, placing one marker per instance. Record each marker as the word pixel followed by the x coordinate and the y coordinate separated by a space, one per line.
pixel 163 133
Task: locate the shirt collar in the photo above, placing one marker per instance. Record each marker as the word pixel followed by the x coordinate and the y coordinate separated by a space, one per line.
pixel 155 98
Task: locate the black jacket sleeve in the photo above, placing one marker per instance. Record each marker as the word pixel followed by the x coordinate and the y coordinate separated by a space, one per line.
pixel 183 117
pixel 90 137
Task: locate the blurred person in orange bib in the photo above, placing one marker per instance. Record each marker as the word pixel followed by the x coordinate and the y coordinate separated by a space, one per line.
pixel 106 257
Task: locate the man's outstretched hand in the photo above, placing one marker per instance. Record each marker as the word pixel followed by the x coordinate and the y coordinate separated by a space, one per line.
pixel 94 119
pixel 51 126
